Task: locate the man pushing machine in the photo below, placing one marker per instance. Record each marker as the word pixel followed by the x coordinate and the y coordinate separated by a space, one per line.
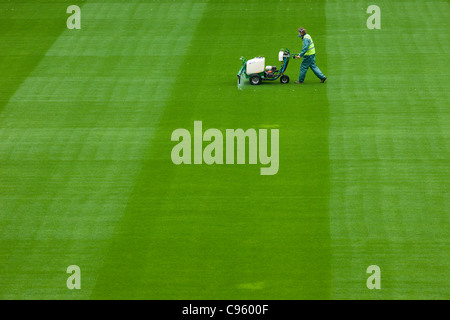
pixel 308 54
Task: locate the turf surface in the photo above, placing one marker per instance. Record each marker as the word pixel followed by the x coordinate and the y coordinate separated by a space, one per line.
pixel 86 176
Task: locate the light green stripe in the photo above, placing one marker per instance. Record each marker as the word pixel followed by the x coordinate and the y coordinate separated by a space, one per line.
pixel 388 91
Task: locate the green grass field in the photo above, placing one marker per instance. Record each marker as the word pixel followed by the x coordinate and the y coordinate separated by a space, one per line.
pixel 86 176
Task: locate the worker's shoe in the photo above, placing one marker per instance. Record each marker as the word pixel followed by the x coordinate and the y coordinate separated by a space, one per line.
pixel 298 82
pixel 323 80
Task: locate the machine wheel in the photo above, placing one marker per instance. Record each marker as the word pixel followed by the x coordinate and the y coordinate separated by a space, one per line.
pixel 284 79
pixel 255 79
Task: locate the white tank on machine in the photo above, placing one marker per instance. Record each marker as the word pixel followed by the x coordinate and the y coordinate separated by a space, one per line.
pixel 281 55
pixel 256 65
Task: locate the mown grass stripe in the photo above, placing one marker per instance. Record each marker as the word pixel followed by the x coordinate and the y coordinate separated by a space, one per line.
pixel 224 231
pixel 388 149
pixel 78 128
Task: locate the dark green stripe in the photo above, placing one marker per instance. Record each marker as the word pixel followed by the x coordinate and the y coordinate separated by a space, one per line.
pixel 26 37
pixel 224 231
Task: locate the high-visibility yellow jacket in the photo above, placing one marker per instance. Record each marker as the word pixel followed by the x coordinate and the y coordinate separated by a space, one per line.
pixel 308 46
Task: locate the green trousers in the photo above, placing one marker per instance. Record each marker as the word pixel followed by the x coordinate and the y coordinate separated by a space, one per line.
pixel 309 62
